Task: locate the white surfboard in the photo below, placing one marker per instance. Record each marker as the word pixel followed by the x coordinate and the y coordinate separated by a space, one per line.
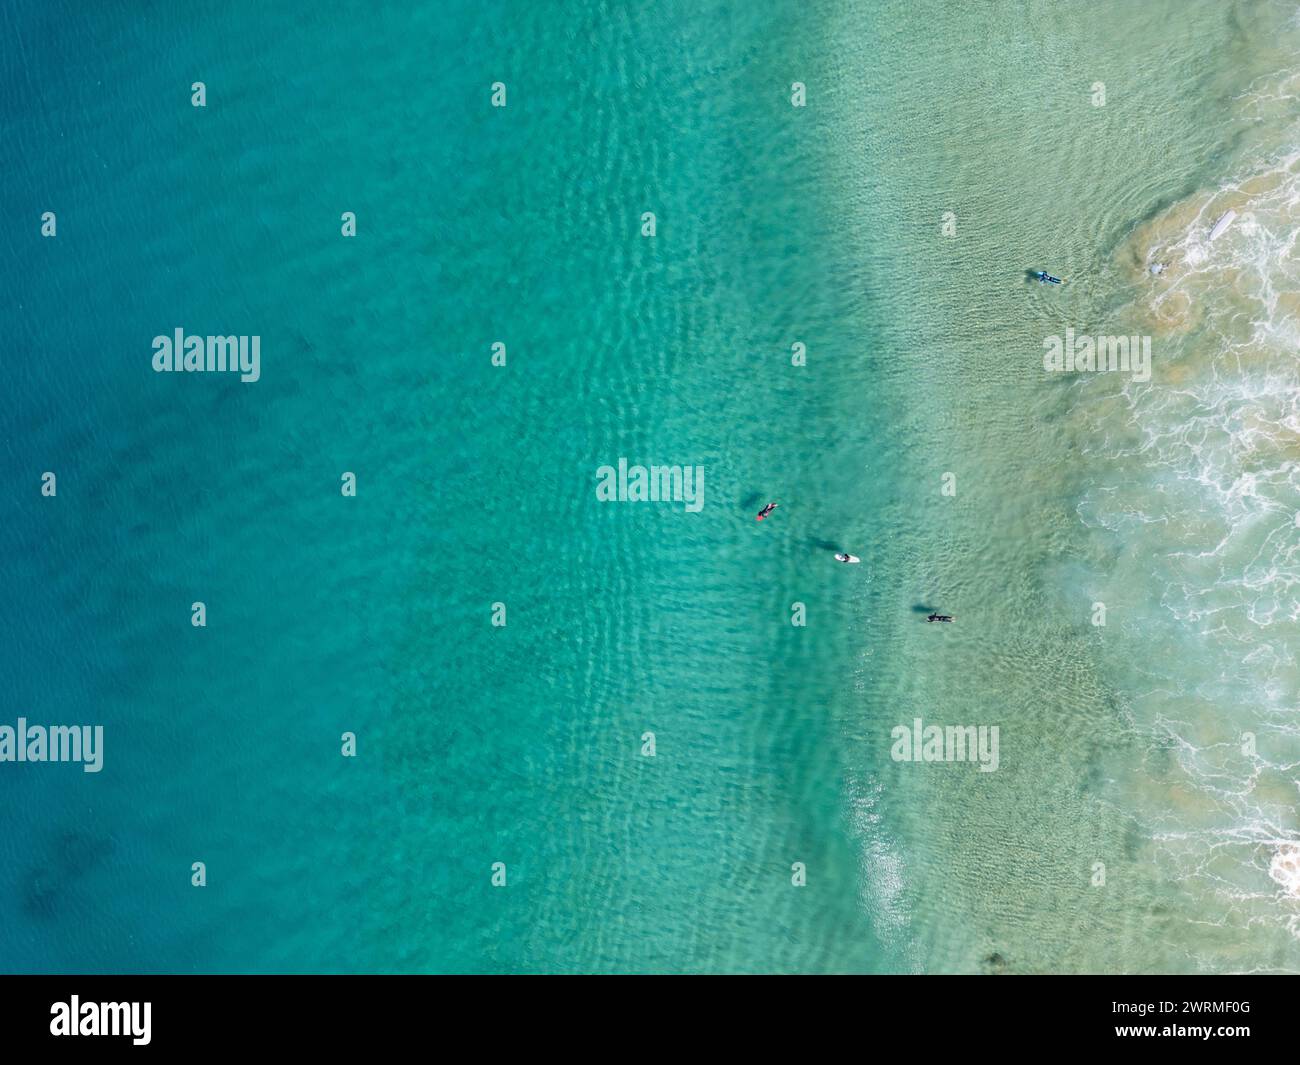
pixel 847 558
pixel 1223 223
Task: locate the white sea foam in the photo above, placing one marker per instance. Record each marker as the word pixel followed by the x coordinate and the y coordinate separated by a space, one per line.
pixel 1285 867
pixel 881 871
pixel 1202 482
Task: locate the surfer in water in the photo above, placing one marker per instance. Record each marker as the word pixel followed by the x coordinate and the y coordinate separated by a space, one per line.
pixel 940 617
pixel 844 557
pixel 766 511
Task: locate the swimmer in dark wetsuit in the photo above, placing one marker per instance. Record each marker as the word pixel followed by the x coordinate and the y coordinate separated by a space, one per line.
pixel 765 511
pixel 940 617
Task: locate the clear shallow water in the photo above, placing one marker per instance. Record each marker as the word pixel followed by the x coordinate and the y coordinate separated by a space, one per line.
pixel 521 744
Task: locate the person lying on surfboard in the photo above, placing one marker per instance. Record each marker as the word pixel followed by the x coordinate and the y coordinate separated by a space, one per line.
pixel 766 511
pixel 845 557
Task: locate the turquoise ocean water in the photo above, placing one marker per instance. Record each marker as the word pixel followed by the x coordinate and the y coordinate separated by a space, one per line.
pixel 1173 503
